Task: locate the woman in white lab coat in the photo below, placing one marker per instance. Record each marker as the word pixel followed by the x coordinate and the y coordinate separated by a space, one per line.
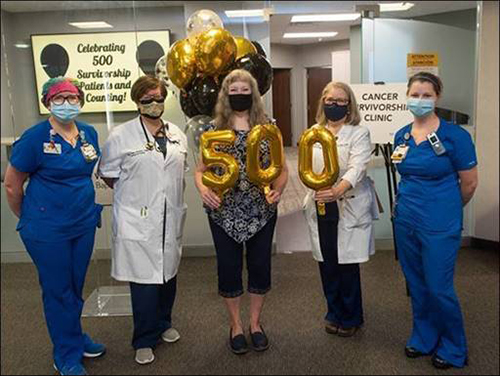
pixel 144 161
pixel 344 237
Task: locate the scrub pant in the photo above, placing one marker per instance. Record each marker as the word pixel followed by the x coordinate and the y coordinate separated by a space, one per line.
pixel 341 282
pixel 62 267
pixel 428 263
pixel 152 309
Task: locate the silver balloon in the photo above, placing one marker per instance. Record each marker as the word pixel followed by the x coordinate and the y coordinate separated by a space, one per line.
pixel 194 129
pixel 200 21
pixel 161 72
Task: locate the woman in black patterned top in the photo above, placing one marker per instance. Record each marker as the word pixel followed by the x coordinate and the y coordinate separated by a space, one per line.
pixel 245 215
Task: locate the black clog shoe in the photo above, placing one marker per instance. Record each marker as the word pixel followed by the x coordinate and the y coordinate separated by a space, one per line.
pixel 259 340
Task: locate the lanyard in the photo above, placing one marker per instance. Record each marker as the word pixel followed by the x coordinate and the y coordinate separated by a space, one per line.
pixel 88 151
pixel 81 134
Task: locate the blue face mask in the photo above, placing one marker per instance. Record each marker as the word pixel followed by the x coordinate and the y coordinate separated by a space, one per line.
pixel 420 107
pixel 65 112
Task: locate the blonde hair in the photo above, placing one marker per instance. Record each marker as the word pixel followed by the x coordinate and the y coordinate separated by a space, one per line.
pixel 223 109
pixel 353 117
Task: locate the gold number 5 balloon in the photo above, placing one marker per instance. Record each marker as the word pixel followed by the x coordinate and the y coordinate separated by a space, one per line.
pixel 330 172
pixel 255 172
pixel 212 158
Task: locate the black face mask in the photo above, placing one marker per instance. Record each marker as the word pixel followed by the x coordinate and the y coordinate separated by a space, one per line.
pixel 240 102
pixel 334 112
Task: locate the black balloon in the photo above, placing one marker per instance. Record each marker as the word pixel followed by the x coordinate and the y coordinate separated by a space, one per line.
pixel 260 68
pixel 204 94
pixel 55 60
pixel 187 104
pixel 148 53
pixel 219 79
pixel 259 48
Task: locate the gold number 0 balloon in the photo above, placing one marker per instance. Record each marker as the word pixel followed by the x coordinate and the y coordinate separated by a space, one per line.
pixel 212 158
pixel 255 172
pixel 330 172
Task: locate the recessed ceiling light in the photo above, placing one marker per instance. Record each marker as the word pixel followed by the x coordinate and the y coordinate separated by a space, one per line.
pixel 245 13
pixel 90 25
pixel 22 45
pixel 325 17
pixel 395 7
pixel 323 34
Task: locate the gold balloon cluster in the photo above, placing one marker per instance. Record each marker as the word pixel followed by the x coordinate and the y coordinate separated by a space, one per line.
pixel 212 158
pixel 330 173
pixel 209 50
pixel 256 174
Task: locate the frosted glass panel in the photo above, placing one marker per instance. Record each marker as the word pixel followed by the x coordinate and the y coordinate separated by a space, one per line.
pixel 394 39
pixel 385 45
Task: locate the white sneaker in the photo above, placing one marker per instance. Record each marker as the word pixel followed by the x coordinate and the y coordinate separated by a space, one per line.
pixel 144 355
pixel 170 335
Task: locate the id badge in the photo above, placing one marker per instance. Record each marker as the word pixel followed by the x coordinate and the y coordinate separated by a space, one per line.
pixel 399 153
pixel 52 148
pixel 89 152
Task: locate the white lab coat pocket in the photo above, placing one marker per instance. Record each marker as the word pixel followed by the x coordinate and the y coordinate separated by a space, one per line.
pixel 356 211
pixel 132 223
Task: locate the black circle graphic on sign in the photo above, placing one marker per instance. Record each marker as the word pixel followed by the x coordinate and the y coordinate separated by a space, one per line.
pixel 147 55
pixel 55 60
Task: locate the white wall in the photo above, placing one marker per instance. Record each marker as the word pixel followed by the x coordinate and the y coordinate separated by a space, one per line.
pixel 486 207
pixel 299 58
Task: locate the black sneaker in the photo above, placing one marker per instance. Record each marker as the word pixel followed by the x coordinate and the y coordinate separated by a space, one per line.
pixel 238 344
pixel 259 340
pixel 440 363
pixel 413 353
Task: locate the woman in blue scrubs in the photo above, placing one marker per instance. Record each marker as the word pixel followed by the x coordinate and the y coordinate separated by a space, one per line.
pixel 58 215
pixel 437 163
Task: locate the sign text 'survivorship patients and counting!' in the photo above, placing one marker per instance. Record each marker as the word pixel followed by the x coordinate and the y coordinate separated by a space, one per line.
pixel 106 63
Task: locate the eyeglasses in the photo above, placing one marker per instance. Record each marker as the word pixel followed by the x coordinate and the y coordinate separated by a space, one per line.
pixel 151 100
pixel 59 99
pixel 336 101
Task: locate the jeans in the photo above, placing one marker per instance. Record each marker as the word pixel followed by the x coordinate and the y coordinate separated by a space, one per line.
pixel 230 260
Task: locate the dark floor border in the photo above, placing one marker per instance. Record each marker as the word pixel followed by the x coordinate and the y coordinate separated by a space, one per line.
pixel 485 244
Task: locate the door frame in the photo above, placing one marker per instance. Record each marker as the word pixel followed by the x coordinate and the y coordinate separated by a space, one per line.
pixel 290 86
pixel 304 101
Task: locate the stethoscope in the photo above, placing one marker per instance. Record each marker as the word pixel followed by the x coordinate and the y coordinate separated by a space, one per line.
pixel 164 130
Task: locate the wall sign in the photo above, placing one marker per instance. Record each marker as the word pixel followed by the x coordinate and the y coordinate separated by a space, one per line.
pixel 424 62
pixel 107 64
pixel 382 109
